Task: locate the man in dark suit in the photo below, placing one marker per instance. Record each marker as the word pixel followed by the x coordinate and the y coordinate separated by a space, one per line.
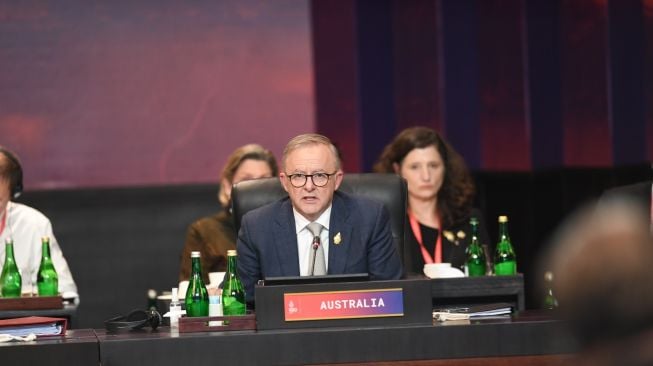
pixel 280 239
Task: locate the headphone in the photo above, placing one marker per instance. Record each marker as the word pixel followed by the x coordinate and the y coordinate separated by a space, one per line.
pixel 15 173
pixel 137 319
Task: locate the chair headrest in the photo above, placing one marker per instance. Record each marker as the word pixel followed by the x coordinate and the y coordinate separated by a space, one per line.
pixel 390 189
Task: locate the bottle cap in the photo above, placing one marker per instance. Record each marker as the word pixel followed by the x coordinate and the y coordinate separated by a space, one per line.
pixel 9 241
pixel 151 293
pixel 45 239
pixel 503 218
pixel 194 254
pixel 231 252
pixel 473 221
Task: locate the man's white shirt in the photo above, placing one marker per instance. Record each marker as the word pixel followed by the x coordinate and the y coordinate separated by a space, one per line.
pixel 26 226
pixel 305 239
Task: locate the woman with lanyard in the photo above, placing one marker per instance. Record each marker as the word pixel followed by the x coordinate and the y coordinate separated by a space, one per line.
pixel 440 195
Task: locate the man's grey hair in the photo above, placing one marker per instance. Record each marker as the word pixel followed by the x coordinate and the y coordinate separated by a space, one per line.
pixel 308 139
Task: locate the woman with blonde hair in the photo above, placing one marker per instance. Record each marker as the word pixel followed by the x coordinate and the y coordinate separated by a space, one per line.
pixel 440 195
pixel 214 235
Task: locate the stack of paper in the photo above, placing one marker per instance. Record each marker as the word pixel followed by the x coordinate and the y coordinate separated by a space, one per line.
pixel 36 329
pixel 37 325
pixel 477 311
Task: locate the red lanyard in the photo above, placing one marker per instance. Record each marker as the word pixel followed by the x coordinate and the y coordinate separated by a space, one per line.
pixel 437 252
pixel 4 221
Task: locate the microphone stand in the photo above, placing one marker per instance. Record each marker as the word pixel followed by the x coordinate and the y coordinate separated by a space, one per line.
pixel 316 244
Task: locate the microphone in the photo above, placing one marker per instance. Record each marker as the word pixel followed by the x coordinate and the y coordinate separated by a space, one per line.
pixel 316 244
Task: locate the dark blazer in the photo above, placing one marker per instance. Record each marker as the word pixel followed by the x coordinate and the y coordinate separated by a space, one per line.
pixel 212 236
pixel 267 241
pixel 453 251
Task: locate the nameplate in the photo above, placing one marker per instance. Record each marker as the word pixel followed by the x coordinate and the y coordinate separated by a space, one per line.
pixel 350 304
pixel 405 302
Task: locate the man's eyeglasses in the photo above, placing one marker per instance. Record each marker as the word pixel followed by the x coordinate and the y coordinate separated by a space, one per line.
pixel 319 179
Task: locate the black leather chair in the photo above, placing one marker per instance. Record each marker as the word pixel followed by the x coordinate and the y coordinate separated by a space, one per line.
pixel 387 188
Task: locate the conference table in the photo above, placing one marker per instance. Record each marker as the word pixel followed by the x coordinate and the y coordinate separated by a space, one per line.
pixel 526 337
pixel 77 347
pixel 531 337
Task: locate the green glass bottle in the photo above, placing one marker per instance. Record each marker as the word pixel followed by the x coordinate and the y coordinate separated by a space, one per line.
pixel 47 280
pixel 233 292
pixel 475 263
pixel 505 260
pixel 550 302
pixel 10 279
pixel 197 297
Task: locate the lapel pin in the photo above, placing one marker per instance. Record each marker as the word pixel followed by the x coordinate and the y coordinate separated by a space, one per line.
pixel 337 239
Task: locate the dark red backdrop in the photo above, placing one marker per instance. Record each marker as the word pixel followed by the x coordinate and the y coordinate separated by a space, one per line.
pixel 513 84
pixel 158 92
pixel 149 92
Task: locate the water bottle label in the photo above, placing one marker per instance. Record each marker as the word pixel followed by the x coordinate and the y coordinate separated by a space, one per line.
pixel 215 309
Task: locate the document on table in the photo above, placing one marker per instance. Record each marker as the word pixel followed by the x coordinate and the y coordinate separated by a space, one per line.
pixel 37 325
pixel 37 329
pixel 477 311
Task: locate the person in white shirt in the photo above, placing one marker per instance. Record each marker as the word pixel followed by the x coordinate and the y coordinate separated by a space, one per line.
pixel 26 226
